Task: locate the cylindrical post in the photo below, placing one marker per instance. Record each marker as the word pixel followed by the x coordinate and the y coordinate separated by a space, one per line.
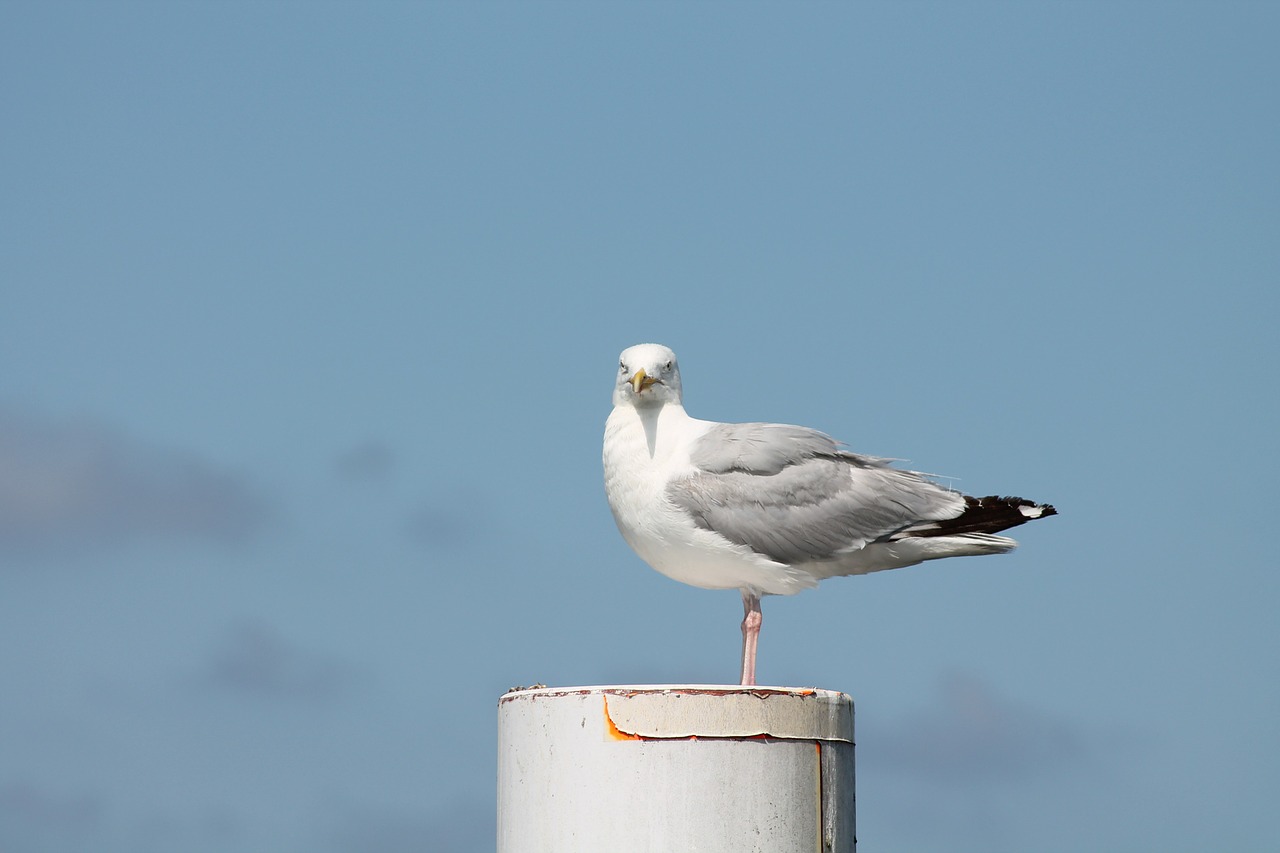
pixel 675 767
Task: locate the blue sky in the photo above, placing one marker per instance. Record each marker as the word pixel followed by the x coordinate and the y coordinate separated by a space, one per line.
pixel 309 315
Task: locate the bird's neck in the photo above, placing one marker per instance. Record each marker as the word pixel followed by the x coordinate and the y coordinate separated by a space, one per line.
pixel 662 426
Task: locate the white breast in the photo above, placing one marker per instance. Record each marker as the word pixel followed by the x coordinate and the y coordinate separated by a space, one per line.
pixel 644 450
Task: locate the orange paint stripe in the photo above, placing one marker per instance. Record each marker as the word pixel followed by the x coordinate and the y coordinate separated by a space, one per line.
pixel 611 729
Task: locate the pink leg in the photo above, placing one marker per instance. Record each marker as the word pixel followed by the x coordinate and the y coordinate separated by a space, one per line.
pixel 751 620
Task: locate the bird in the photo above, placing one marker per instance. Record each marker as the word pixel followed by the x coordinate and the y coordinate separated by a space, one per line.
pixel 772 509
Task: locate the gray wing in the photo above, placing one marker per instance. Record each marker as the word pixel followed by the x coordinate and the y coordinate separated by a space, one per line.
pixel 791 494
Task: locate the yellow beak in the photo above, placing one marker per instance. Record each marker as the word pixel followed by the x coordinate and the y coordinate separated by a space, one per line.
pixel 641 380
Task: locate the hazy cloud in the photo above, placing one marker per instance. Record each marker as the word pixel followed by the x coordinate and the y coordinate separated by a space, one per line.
pixel 254 659
pixel 366 462
pixel 32 818
pixel 82 483
pixel 971 733
pixel 437 524
pixel 468 827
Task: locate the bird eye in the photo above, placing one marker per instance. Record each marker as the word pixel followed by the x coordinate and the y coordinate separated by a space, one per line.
pixel 622 367
pixel 667 367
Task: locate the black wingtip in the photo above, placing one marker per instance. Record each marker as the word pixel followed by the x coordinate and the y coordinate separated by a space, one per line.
pixel 1030 509
pixel 990 514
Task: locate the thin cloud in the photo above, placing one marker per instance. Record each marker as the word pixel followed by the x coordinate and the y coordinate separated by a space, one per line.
pixel 253 659
pixel 367 462
pixel 436 524
pixel 84 484
pixel 467 827
pixel 971 733
pixel 34 818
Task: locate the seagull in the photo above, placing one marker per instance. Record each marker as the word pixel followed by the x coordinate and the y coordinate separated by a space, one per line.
pixel 772 509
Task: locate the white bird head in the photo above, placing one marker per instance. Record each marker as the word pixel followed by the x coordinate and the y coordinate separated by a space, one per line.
pixel 648 375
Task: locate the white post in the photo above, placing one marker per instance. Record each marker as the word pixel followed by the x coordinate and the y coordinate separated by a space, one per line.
pixel 710 768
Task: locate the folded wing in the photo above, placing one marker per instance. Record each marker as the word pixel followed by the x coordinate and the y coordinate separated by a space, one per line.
pixel 792 495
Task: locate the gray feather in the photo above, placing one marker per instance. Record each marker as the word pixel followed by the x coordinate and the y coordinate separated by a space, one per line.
pixel 758 448
pixel 791 494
